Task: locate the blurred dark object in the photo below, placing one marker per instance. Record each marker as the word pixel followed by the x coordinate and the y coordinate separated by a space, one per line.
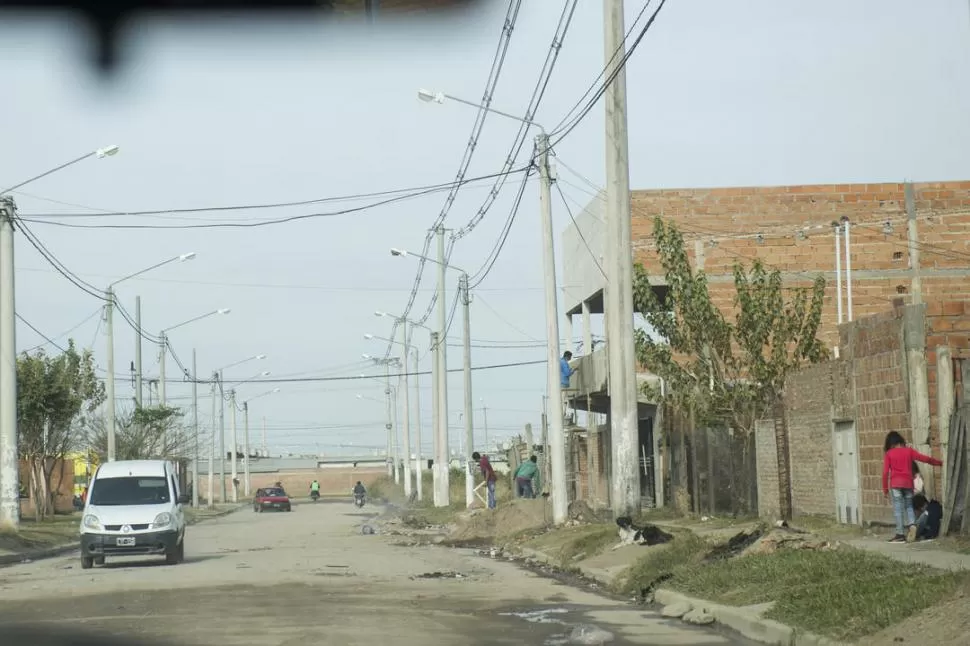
pixel 106 17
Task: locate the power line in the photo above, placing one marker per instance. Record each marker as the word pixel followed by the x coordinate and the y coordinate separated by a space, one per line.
pixel 271 222
pixel 40 334
pixel 59 336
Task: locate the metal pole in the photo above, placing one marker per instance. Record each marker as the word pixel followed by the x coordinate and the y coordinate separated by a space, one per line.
pixel 407 412
pixel 212 442
pixel 138 382
pixel 9 455
pixel 195 428
pixel 444 464
pixel 222 439
pixel 109 417
pixel 235 440
pixel 619 251
pixel 848 270
pixel 246 449
pixel 836 228
pixel 418 461
pixel 389 424
pixel 265 445
pixel 557 440
pixel 163 350
pixel 435 419
pixel 469 413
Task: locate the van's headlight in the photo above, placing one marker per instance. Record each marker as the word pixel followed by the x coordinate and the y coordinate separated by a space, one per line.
pixel 90 521
pixel 162 520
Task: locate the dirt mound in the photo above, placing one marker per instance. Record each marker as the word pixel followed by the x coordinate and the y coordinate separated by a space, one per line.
pixel 768 541
pixel 580 511
pixel 946 624
pixel 512 518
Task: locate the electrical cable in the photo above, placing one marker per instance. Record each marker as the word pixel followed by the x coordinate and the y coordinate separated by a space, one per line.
pixel 40 334
pixel 59 336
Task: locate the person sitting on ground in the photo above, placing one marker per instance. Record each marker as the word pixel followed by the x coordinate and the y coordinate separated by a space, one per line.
pixel 359 489
pixel 929 515
pixel 524 476
pixel 897 476
pixel 489 474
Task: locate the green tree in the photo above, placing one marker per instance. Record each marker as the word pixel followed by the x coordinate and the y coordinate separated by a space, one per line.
pixel 140 434
pixel 55 393
pixel 718 371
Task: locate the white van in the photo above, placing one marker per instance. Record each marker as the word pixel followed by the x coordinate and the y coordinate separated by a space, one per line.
pixel 133 508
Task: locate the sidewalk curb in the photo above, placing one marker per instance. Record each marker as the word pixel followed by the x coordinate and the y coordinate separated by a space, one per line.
pixel 745 621
pixel 67 548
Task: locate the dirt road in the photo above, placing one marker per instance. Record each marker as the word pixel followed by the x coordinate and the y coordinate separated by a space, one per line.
pixel 312 577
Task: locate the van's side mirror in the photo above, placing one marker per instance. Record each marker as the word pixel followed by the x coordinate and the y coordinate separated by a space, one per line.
pixel 184 499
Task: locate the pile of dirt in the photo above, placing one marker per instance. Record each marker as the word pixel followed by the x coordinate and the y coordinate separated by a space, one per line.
pixel 507 520
pixel 768 541
pixel 580 511
pixel 946 624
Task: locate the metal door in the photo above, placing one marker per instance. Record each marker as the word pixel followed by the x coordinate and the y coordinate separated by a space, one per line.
pixel 846 473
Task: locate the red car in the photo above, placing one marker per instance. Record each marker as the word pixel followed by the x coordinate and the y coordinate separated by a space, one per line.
pixel 271 498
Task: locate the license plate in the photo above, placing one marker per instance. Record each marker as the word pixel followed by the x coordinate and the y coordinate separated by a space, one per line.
pixel 276 504
pixel 126 541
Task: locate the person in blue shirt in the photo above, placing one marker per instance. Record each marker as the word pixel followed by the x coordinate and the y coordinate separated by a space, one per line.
pixel 565 370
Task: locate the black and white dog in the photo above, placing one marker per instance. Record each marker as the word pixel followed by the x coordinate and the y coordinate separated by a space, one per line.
pixel 630 534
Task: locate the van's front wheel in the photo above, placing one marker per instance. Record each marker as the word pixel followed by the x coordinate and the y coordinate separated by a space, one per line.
pixel 177 555
pixel 87 562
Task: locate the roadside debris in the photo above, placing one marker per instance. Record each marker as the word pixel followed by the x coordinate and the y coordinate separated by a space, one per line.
pixel 589 634
pixel 440 575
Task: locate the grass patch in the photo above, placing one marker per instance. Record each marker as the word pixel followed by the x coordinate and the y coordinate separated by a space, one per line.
pixel 660 561
pixel 571 544
pixel 34 535
pixel 844 594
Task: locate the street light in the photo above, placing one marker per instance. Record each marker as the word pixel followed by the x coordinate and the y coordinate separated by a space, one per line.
pixel 246 478
pixel 109 316
pixel 557 446
pixel 393 445
pixel 443 448
pixel 217 382
pixel 163 347
pixel 9 469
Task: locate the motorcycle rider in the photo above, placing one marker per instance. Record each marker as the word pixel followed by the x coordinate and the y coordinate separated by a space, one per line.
pixel 314 488
pixel 359 490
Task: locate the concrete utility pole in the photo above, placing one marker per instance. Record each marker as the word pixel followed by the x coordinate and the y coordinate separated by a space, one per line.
pixel 485 424
pixel 389 424
pixel 246 448
pixel 557 438
pixel 212 443
pixel 9 456
pixel 443 466
pixel 195 429
pixel 469 413
pixel 222 438
pixel 109 381
pixel 619 272
pixel 418 461
pixel 235 440
pixel 435 422
pixel 407 411
pixel 138 373
pixel 162 351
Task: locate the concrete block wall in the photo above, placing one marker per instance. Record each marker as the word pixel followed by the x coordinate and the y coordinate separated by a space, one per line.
pixel 795 225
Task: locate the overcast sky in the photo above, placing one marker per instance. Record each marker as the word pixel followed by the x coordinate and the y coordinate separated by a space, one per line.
pixel 720 94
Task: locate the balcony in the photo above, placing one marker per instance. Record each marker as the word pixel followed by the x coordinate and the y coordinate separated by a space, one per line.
pixel 589 385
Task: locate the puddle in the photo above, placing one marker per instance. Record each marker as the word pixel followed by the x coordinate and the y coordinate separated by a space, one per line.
pixel 570 629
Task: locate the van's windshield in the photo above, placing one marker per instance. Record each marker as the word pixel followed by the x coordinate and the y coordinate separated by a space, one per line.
pixel 129 491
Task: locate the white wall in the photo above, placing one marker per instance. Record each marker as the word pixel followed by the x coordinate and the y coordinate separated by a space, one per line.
pixel 581 277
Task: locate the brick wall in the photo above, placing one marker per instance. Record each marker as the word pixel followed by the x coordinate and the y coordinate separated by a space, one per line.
pixel 947 324
pixel 62 484
pixel 795 225
pixel 808 407
pixel 766 457
pixel 599 445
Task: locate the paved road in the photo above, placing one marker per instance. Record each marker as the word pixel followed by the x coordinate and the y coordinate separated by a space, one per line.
pixel 311 577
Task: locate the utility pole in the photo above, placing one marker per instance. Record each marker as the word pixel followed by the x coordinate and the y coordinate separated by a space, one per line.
pixel 109 382
pixel 485 424
pixel 163 350
pixel 235 440
pixel 222 438
pixel 397 435
pixel 212 442
pixel 246 449
pixel 265 445
pixel 619 272
pixel 9 455
pixel 138 373
pixel 407 412
pixel 389 425
pixel 418 462
pixel 195 428
pixel 469 413
pixel 435 422
pixel 444 466
pixel 557 439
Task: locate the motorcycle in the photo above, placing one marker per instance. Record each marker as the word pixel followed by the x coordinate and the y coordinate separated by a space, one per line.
pixel 314 495
pixel 359 500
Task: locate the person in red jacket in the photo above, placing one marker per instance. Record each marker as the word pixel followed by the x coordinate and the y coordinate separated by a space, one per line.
pixel 897 477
